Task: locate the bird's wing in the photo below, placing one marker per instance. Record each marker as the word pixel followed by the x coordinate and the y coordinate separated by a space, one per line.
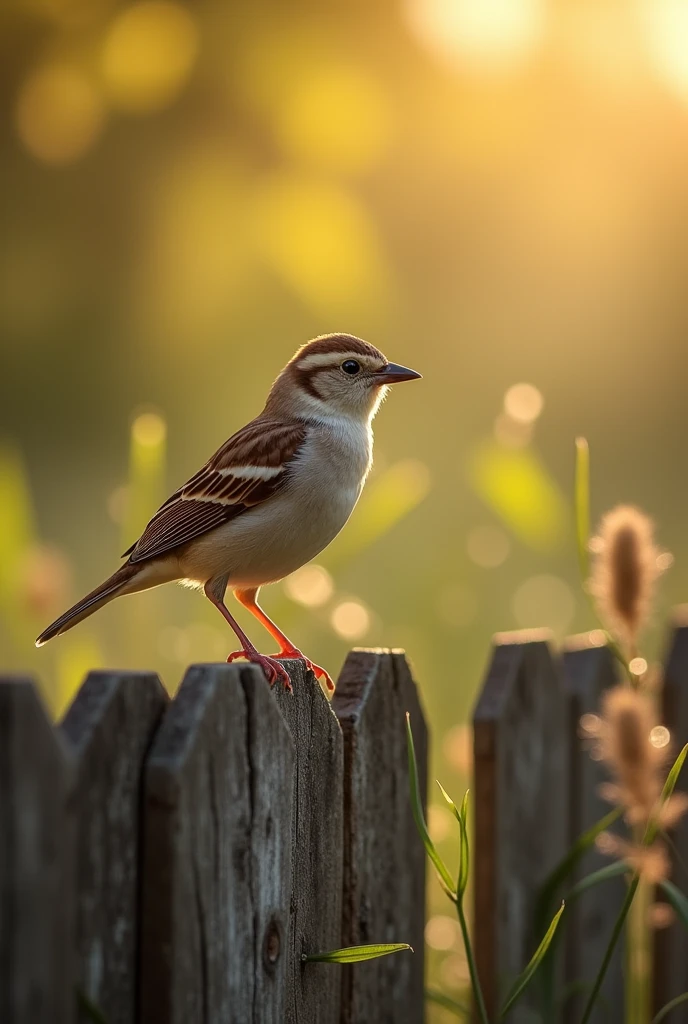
pixel 247 470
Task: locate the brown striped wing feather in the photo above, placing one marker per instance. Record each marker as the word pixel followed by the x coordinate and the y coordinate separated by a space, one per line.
pixel 261 454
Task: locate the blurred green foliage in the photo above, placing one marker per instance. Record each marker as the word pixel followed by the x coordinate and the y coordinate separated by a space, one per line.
pixel 494 193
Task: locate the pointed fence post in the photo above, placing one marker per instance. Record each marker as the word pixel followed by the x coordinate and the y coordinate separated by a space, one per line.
pixel 384 858
pixel 521 764
pixel 217 854
pixel 37 967
pixel 313 990
pixel 109 727
pixel 589 670
pixel 671 958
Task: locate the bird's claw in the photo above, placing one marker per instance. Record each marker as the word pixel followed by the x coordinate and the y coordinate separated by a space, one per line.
pixel 270 666
pixel 320 673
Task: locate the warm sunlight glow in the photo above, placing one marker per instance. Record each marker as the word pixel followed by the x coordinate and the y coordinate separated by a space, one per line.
pixel 350 620
pixel 310 586
pixel 523 403
pixel 334 116
pixel 638 666
pixel 660 737
pixel 485 33
pixel 58 114
pixel 667 36
pixel 442 932
pixel 148 55
pixel 149 430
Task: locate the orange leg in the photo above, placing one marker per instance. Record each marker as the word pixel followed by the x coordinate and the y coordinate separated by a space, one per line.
pixel 287 649
pixel 214 591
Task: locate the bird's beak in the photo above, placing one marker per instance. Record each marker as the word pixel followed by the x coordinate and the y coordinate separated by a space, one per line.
pixel 392 373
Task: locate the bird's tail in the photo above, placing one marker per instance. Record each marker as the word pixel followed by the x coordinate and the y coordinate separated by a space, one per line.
pixel 108 590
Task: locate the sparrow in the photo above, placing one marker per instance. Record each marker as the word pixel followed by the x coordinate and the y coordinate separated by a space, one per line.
pixel 270 499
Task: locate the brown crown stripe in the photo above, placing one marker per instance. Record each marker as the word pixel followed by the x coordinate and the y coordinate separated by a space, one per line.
pixel 339 343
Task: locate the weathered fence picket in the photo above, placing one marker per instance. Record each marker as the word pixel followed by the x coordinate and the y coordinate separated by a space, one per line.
pixel 381 843
pixel 521 772
pixel 37 956
pixel 217 864
pixel 171 861
pixel 312 992
pixel 108 728
pixel 589 670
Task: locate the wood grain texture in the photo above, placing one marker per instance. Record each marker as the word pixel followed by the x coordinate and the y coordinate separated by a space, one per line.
pixel 217 854
pixel 313 990
pixel 36 863
pixel 384 858
pixel 671 947
pixel 520 806
pixel 588 672
pixel 109 728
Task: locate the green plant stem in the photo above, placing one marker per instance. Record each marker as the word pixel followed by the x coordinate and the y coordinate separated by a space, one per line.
pixel 472 969
pixel 666 1010
pixel 611 945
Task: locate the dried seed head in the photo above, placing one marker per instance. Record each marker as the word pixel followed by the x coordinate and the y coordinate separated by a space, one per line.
pixel 650 862
pixel 626 565
pixel 624 742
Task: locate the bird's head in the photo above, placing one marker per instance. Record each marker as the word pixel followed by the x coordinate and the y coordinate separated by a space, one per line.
pixel 337 375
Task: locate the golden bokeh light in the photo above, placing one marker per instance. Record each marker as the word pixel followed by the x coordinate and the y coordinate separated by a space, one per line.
pixel 638 666
pixel 58 114
pixel 148 55
pixel 482 33
pixel 523 403
pixel 660 737
pixel 336 117
pixel 440 823
pixel 311 586
pixel 350 620
pixel 149 430
pixel 321 241
pixel 666 32
pixel 442 932
pixel 457 748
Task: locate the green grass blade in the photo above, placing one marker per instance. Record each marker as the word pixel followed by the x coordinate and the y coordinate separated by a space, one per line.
pixel 677 900
pixel 613 939
pixel 462 881
pixel 461 816
pixel 614 870
pixel 564 868
pixel 452 1005
pixel 666 1010
pixel 669 786
pixel 526 976
pixel 583 505
pixel 446 880
pixel 355 954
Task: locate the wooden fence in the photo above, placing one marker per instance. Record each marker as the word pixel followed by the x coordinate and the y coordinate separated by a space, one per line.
pixel 536 789
pixel 171 861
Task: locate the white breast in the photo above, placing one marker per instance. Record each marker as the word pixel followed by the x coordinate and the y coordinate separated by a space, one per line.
pixel 269 542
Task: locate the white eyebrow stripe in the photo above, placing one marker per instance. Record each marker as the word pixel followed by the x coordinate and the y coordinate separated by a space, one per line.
pixel 332 359
pixel 252 472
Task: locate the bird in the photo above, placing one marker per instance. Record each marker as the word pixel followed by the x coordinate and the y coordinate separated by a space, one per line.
pixel 270 498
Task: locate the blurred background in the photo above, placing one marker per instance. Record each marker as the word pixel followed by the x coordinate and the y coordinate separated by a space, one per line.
pixel 494 192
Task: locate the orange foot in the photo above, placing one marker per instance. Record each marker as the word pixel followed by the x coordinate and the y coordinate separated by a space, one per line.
pixel 270 666
pixel 295 654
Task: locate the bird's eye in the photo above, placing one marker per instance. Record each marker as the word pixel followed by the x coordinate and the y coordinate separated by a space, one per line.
pixel 351 366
